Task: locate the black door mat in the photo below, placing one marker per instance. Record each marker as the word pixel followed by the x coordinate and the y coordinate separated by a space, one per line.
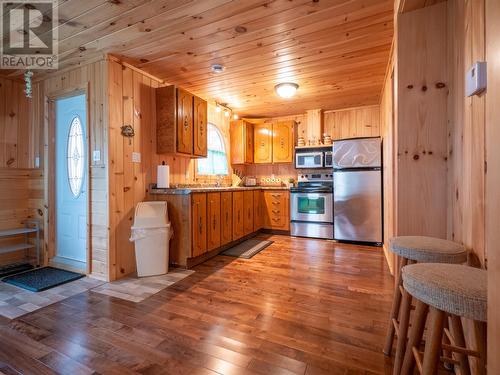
pixel 247 249
pixel 12 269
pixel 42 278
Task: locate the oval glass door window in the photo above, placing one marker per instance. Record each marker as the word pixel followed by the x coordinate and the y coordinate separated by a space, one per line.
pixel 76 157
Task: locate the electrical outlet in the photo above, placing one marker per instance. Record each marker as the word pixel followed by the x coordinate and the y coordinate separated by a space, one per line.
pixel 96 156
pixel 37 162
pixel 136 157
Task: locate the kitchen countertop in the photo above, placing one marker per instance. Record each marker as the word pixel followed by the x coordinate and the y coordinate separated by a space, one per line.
pixel 210 189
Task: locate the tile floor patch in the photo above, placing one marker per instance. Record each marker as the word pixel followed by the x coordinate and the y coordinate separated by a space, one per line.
pixel 138 289
pixel 15 301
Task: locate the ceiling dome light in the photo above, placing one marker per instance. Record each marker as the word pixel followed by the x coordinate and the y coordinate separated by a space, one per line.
pixel 286 89
pixel 217 68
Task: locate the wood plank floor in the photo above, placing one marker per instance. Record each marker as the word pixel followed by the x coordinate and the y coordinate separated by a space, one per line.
pixel 299 307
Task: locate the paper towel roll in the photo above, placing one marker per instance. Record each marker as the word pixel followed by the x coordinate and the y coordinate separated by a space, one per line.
pixel 163 177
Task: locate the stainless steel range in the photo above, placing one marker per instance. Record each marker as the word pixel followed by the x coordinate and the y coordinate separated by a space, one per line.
pixel 311 206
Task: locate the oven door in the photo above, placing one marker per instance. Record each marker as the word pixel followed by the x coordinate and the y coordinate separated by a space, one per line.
pixel 309 160
pixel 317 207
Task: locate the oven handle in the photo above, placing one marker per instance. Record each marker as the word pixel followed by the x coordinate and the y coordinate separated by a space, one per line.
pixel 315 191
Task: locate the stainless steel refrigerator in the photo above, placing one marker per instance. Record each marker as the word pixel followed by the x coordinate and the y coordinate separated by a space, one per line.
pixel 357 190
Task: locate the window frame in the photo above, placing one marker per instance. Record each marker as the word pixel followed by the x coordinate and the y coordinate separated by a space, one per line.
pixel 226 153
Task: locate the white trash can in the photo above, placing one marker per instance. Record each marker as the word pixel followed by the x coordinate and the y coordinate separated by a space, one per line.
pixel 151 233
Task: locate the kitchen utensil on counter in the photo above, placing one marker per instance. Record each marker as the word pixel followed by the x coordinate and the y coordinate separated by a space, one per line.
pixel 235 180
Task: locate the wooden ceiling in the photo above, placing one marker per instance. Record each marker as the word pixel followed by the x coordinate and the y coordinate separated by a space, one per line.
pixel 336 50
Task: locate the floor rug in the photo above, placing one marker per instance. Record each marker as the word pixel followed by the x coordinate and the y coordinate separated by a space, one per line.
pixel 42 278
pixel 247 249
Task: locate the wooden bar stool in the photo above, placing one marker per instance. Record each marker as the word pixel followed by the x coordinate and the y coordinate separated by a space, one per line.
pixel 446 290
pixel 414 249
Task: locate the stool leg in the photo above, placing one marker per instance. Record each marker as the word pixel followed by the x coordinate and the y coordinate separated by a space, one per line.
pixel 403 332
pixel 457 332
pixel 416 333
pixel 396 302
pixel 433 344
pixel 480 335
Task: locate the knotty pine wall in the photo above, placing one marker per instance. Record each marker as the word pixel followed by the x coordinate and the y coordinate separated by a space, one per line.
pixel 21 184
pixel 492 182
pixel 467 130
pixel 387 131
pixel 132 101
pixel 340 123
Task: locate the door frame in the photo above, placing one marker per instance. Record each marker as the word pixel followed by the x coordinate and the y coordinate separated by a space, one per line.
pixel 50 170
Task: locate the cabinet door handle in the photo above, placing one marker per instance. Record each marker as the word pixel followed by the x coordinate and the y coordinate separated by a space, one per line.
pixel 200 225
pixel 215 222
pixel 238 216
pixel 276 211
pixel 275 202
pixel 186 124
pixel 227 217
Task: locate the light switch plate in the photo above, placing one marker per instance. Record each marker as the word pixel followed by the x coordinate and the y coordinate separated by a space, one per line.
pixel 96 156
pixel 136 157
pixel 37 162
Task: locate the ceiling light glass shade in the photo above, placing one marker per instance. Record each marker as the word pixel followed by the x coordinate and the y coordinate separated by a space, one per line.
pixel 286 89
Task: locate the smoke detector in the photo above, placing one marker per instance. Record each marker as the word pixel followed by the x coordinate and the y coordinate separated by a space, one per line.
pixel 217 68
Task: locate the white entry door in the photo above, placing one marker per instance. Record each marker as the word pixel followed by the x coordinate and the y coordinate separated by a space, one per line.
pixel 71 161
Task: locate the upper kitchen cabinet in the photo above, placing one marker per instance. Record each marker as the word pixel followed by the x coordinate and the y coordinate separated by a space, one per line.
pixel 263 135
pixel 200 127
pixel 283 141
pixel 242 142
pixel 181 123
pixel 274 142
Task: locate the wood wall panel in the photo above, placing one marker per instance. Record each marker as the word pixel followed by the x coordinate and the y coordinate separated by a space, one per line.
pixel 467 141
pixel 387 130
pixel 19 136
pixel 492 197
pixel 422 122
pixel 132 101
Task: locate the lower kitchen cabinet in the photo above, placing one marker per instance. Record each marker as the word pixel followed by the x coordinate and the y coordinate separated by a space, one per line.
pixel 204 222
pixel 214 221
pixel 277 204
pixel 248 211
pixel 258 210
pixel 199 228
pixel 226 217
pixel 238 221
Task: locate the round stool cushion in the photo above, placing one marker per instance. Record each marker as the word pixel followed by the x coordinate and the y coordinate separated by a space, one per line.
pixel 428 249
pixel 453 288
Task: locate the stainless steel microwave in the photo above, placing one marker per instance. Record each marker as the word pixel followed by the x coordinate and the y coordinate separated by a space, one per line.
pixel 309 159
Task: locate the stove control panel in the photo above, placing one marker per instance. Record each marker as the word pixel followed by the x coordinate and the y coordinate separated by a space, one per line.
pixel 311 177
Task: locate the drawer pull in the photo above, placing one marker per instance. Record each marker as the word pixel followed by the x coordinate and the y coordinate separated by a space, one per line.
pixel 275 212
